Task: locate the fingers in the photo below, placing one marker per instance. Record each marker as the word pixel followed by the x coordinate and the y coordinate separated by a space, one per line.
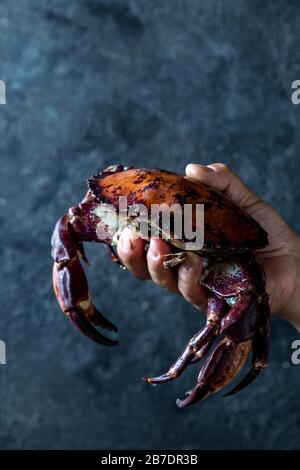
pixel 132 254
pixel 165 278
pixel 222 178
pixel 189 274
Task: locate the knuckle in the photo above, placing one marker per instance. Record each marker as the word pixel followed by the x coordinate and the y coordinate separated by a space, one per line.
pixel 161 282
pixel 185 288
pixel 159 277
pixel 189 273
pixel 155 263
pixel 191 292
pixel 166 284
pixel 127 258
pixel 222 167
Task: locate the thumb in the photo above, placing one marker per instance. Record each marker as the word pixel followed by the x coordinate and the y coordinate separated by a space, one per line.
pixel 223 178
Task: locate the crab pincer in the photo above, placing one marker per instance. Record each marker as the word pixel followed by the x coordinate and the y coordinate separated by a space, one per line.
pixel 224 363
pixel 70 284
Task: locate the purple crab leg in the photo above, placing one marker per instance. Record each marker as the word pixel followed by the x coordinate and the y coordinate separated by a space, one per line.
pixel 225 361
pixel 198 345
pixel 260 353
pixel 201 353
pixel 236 312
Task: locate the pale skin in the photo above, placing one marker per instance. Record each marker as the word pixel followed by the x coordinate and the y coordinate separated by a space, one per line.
pixel 280 259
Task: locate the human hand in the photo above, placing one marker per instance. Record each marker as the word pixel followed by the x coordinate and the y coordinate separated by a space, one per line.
pixel 280 259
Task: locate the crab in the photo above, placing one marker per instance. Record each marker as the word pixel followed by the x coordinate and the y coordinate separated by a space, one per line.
pixel 237 313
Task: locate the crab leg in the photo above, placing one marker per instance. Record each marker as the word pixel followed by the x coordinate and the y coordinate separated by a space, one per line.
pixel 198 345
pixel 260 352
pixel 230 355
pixel 236 312
pixel 70 284
pixel 224 363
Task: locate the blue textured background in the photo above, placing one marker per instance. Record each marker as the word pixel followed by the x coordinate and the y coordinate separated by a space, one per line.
pixel 144 83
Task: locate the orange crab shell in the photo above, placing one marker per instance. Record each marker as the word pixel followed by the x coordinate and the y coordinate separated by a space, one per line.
pixel 226 226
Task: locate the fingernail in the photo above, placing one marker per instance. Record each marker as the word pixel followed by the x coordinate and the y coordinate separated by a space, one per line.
pixel 153 250
pixel 125 241
pixel 193 168
pixel 210 168
pixel 190 166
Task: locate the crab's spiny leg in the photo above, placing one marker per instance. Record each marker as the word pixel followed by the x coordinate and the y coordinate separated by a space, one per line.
pixel 201 353
pixel 198 345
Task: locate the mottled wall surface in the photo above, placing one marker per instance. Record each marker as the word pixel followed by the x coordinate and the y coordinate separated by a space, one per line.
pixel 144 83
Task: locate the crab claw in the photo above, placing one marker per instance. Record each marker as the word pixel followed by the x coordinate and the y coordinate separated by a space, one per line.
pixel 87 328
pixel 250 377
pixel 260 353
pixel 71 288
pixel 195 395
pixel 223 364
